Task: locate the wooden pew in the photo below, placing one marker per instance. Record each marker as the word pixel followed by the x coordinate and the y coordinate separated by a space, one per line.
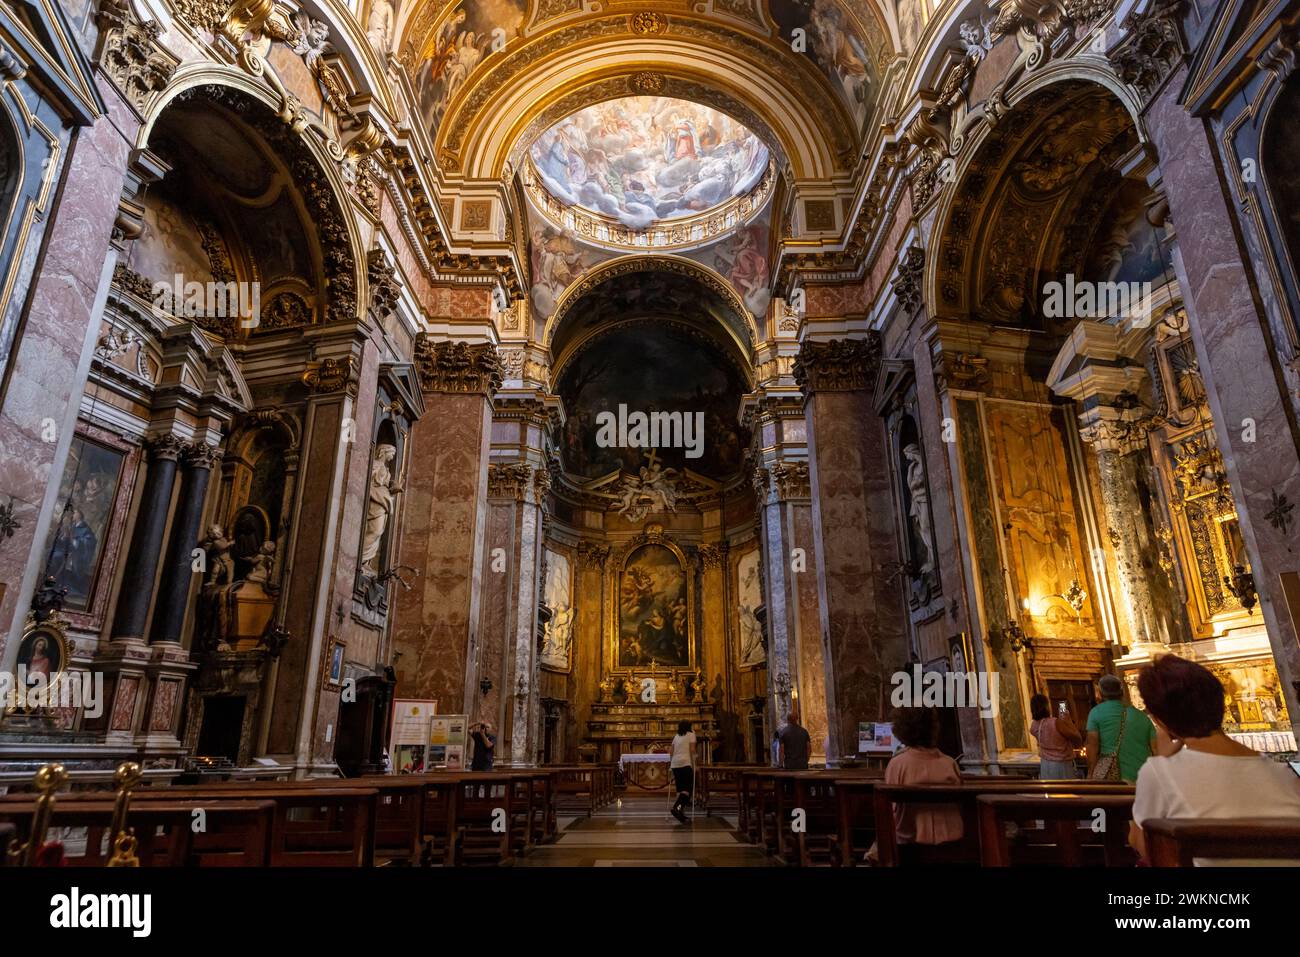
pixel 720 787
pixel 316 824
pixel 580 788
pixel 1066 838
pixel 1178 843
pixel 963 797
pixel 236 832
pixel 486 818
pixel 542 817
pixel 855 818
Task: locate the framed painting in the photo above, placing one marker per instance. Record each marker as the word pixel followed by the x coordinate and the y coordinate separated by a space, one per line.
pixel 654 608
pixel 557 642
pixel 334 663
pixel 83 520
pixel 749 599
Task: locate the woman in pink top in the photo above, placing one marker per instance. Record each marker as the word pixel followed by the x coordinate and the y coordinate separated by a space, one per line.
pixel 1057 739
pixel 920 762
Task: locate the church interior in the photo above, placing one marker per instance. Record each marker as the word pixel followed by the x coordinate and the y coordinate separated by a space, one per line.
pixel 424 421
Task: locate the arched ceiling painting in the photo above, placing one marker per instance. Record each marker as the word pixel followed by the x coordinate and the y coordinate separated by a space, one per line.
pixel 647 159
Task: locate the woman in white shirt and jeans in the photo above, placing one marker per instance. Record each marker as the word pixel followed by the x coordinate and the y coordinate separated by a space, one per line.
pixel 683 767
pixel 1198 771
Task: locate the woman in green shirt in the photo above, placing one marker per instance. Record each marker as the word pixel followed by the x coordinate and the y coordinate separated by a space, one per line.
pixel 1114 726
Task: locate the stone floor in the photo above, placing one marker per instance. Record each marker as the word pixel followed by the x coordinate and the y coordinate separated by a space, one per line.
pixel 639 832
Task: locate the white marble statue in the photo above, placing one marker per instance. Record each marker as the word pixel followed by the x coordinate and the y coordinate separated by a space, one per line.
pixel 380 509
pixel 920 508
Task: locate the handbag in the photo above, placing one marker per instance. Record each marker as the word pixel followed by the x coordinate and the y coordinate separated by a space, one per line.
pixel 1107 766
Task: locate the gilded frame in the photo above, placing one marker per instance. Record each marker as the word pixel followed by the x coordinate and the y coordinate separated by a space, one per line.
pixel 652 535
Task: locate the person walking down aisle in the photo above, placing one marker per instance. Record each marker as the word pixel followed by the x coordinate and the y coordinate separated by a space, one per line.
pixel 682 765
pixel 794 743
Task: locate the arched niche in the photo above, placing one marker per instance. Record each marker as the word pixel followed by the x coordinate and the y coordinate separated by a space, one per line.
pixel 259 477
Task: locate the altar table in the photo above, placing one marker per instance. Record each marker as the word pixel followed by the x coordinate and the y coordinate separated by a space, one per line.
pixel 649 771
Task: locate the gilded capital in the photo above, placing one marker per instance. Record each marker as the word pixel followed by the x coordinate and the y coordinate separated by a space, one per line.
pixel 445 366
pixel 839 365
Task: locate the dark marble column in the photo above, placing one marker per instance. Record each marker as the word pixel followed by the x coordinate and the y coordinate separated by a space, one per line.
pixel 147 540
pixel 862 614
pixel 178 573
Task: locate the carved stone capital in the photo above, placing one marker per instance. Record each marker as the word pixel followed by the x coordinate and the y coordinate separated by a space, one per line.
pixel 593 555
pixel 714 554
pixel 1116 430
pixel 200 455
pixel 1151 49
pixel 792 480
pixel 839 365
pixel 445 366
pixel 509 480
pixel 762 484
pixel 166 447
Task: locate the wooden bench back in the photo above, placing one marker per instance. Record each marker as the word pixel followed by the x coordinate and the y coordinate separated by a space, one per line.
pixel 1177 843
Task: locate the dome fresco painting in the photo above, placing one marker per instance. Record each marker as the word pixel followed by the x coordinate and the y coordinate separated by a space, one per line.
pixel 647 159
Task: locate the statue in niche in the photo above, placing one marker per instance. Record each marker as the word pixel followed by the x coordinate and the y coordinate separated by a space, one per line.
pixel 382 495
pixel 919 508
pixel 262 564
pixel 221 566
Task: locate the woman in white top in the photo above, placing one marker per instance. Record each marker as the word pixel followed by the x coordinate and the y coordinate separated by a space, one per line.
pixel 1198 771
pixel 683 767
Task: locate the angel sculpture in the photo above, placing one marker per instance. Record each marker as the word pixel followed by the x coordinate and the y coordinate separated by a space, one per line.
pixel 653 490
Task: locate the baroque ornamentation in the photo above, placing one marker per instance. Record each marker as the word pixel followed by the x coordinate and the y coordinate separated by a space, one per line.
pixel 907 281
pixel 331 375
pixel 592 554
pixel 960 370
pixel 201 455
pixel 509 480
pixel 381 277
pixel 1152 47
pixel 457 366
pixel 130 53
pixel 839 365
pixel 713 555
pixel 791 480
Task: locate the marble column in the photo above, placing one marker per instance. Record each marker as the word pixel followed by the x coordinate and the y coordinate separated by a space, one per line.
pixel 506 650
pixel 1117 440
pixel 798 670
pixel 1236 351
pixel 178 575
pixel 862 615
pixel 435 623
pixel 147 540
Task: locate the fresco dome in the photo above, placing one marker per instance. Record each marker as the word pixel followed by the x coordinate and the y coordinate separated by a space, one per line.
pixel 644 161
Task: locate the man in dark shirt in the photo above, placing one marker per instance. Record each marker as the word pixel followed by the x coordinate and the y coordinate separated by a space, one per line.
pixel 484 747
pixel 794 744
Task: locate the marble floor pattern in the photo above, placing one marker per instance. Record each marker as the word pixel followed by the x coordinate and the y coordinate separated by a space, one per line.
pixel 640 832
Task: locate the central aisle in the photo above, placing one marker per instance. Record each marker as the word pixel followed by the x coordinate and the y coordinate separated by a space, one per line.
pixel 641 833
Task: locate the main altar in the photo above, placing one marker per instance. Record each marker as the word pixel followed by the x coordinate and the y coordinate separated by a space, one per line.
pixel 635 727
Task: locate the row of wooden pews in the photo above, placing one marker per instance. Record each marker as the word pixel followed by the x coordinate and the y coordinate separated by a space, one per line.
pixel 439 818
pixel 830 817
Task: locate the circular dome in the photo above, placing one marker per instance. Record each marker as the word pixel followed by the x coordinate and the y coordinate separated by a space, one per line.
pixel 649 171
